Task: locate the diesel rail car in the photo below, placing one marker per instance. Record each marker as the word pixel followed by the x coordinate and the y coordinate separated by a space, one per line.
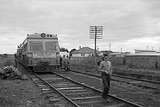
pixel 39 51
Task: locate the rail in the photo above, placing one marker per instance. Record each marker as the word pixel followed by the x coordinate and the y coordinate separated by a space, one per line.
pixel 97 90
pixel 139 85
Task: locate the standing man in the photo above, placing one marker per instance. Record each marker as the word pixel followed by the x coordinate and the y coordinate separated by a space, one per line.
pixel 105 68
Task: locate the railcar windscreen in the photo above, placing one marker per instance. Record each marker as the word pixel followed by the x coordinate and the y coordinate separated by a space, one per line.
pixel 36 47
pixel 51 46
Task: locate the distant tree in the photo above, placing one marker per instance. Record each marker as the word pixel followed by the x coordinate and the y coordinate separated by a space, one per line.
pixel 5 55
pixel 72 50
pixel 70 53
pixel 64 50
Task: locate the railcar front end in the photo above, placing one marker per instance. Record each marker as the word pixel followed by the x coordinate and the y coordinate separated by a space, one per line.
pixel 40 52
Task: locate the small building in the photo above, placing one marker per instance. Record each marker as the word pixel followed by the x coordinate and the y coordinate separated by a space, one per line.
pixel 145 52
pixel 83 52
pixel 144 59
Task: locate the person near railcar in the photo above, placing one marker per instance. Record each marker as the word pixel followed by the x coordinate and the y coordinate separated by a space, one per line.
pixel 105 68
pixel 66 63
pixel 60 62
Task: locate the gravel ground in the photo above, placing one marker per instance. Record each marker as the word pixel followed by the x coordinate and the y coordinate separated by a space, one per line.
pixel 147 98
pixel 20 93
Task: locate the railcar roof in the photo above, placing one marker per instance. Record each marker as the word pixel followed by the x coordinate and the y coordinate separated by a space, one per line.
pixel 38 36
pixel 42 36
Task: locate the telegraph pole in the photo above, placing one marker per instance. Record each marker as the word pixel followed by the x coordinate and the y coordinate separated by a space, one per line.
pixel 96 32
pixel 109 46
pixel 95 41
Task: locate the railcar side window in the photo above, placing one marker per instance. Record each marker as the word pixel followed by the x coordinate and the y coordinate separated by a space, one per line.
pixel 25 47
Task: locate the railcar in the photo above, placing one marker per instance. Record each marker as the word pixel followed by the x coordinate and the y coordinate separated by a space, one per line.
pixel 39 51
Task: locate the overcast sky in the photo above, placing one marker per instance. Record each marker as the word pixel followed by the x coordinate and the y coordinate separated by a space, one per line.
pixel 128 24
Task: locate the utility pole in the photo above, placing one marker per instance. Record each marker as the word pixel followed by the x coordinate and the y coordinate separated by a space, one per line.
pixel 147 47
pixel 152 48
pixel 109 46
pixel 96 32
pixel 95 41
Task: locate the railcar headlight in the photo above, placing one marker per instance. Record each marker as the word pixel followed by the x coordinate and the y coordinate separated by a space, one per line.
pixel 30 54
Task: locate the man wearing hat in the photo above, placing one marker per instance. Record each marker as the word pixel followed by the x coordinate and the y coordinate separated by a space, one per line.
pixel 105 68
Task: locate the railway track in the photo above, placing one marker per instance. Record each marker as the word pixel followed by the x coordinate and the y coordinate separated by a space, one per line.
pixel 147 84
pixel 76 94
pixel 145 80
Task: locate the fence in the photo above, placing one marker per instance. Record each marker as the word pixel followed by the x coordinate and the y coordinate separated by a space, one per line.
pixel 86 63
pixel 132 61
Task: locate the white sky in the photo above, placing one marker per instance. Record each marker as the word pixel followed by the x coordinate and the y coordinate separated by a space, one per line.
pixel 128 24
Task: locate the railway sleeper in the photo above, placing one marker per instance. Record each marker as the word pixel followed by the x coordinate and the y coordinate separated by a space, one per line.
pixel 101 104
pixel 47 92
pixel 70 88
pixel 53 99
pixel 45 89
pixel 87 98
pixel 41 85
pixel 73 91
pixel 53 79
pixel 57 81
pixel 49 95
pixel 80 94
pixel 64 85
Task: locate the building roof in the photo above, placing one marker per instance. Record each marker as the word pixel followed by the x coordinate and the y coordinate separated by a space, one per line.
pixel 84 50
pixel 144 54
pixel 140 51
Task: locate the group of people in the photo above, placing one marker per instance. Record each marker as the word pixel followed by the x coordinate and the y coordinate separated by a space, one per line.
pixel 64 63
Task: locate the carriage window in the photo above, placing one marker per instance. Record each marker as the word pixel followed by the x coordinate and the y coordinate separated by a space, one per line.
pixel 36 46
pixel 51 46
pixel 24 47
